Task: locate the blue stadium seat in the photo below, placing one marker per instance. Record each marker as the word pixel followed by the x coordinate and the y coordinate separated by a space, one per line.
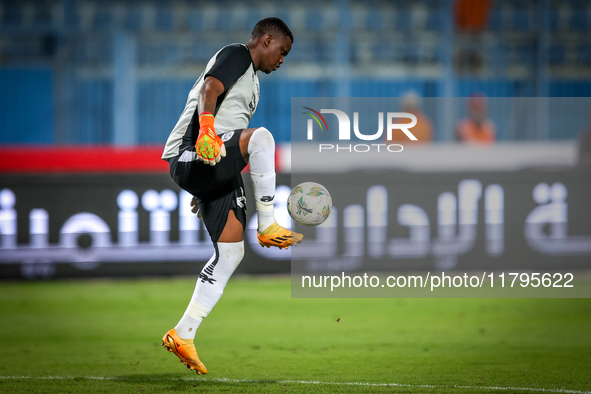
pixel 132 20
pixel 42 17
pixel 432 4
pixel 12 15
pixel 521 19
pixel 412 54
pixel 94 123
pixel 580 20
pixel 494 23
pixel 584 54
pixel 322 51
pixel 171 54
pixel 194 20
pixel 143 57
pixel 238 18
pixel 557 54
pixel 282 14
pixel 434 19
pixel 490 88
pixel 254 15
pixel 202 51
pixel 553 21
pixel 102 20
pixel 385 50
pixel 375 20
pixel 163 21
pixel 298 52
pixel 314 20
pixel 403 20
pixel 430 54
pixel 224 21
pixel 528 54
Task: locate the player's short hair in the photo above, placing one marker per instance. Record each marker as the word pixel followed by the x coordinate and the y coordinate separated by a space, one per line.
pixel 272 24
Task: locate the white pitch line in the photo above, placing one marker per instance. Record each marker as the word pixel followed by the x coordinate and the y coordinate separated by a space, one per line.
pixel 367 384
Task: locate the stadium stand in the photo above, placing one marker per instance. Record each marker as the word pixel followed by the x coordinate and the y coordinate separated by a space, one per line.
pixel 390 45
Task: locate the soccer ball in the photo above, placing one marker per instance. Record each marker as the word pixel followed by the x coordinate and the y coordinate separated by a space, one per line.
pixel 309 203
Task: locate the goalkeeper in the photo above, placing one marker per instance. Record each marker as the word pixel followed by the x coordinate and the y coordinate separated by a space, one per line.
pixel 206 151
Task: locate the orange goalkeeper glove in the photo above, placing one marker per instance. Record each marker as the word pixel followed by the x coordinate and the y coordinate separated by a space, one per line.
pixel 209 147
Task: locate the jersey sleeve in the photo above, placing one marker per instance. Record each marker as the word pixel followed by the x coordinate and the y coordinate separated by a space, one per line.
pixel 231 62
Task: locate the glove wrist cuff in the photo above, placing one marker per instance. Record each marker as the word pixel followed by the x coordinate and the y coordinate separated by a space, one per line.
pixel 206 119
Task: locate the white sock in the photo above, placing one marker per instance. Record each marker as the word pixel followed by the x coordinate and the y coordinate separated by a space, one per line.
pixel 261 150
pixel 210 286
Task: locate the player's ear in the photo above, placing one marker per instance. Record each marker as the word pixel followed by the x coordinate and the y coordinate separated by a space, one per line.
pixel 267 40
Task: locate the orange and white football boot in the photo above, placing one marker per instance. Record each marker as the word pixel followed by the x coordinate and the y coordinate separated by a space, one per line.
pixel 275 235
pixel 185 350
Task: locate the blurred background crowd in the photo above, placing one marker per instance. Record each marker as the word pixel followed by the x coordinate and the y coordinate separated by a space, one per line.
pixel 118 72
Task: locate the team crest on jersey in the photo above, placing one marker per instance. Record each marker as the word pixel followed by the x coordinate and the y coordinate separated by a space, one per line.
pixel 253 102
pixel 251 105
pixel 227 135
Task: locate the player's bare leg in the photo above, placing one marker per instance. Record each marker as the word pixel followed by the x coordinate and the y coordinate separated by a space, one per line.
pixel 258 149
pixel 228 253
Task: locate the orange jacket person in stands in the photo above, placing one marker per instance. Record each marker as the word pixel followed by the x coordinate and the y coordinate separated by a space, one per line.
pixel 476 128
pixel 423 130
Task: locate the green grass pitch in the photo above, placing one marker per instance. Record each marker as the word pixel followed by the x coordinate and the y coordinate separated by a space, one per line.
pixel 104 336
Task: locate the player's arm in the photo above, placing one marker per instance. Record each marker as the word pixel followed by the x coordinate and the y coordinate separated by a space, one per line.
pixel 230 63
pixel 211 89
pixel 209 147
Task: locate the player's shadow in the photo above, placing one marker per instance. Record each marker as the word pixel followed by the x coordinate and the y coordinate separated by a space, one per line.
pixel 184 382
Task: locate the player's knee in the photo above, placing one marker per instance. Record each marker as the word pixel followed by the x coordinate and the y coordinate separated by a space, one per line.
pixel 261 139
pixel 238 255
pixel 231 254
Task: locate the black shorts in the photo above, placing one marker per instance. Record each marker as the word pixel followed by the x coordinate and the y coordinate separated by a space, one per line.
pixel 218 188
